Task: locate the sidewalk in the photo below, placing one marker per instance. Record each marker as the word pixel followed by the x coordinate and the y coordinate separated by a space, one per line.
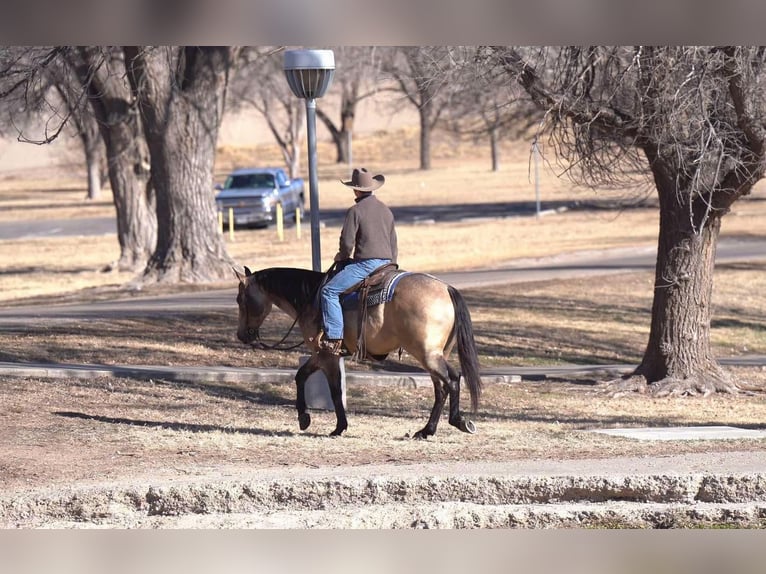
pixel 415 379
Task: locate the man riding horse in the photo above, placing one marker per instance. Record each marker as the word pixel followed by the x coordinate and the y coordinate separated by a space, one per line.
pixel 421 314
pixel 367 242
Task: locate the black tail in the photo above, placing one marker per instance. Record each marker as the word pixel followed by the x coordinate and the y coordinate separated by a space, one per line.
pixel 466 346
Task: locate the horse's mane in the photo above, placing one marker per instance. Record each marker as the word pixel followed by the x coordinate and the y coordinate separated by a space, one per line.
pixel 296 286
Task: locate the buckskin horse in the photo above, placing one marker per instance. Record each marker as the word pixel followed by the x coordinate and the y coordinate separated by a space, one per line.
pixel 424 316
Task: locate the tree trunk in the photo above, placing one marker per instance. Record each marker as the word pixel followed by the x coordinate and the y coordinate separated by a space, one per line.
pixel 425 135
pixel 134 203
pixel 347 114
pixel 132 194
pixel 91 143
pixel 110 96
pixel 494 149
pixel 93 162
pixel 678 358
pixel 340 137
pixel 181 94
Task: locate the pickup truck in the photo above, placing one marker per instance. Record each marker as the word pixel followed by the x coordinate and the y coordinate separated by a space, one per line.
pixel 254 193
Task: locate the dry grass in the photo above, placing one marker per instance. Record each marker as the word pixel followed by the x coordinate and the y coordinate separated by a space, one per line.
pixel 65 432
pixel 460 175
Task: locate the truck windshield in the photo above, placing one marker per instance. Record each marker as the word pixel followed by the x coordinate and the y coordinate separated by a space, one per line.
pixel 248 180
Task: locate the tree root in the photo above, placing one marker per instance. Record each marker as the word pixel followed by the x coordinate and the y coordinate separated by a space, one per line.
pixel 702 384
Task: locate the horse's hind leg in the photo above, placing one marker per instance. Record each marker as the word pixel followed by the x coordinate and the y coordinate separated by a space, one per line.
pixel 439 376
pixel 455 418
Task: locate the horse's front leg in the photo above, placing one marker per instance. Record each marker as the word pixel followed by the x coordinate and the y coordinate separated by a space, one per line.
pixel 330 364
pixel 304 419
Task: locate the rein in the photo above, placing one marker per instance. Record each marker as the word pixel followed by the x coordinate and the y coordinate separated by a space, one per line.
pixel 276 346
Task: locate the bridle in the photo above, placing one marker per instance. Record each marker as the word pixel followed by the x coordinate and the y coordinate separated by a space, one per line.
pixel 255 331
pixel 258 342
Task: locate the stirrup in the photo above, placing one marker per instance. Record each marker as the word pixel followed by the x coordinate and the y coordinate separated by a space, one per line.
pixel 332 346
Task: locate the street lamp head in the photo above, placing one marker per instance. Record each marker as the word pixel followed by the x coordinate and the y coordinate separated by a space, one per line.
pixel 309 72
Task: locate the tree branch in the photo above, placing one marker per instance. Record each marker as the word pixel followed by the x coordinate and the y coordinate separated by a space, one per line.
pixel 577 110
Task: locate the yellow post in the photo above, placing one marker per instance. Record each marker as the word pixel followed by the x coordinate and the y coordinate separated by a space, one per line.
pixel 231 223
pixel 220 221
pixel 298 222
pixel 280 222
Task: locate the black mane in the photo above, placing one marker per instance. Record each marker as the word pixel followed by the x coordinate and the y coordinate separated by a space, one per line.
pixel 298 287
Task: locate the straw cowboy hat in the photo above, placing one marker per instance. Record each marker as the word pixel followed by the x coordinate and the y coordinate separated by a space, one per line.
pixel 362 180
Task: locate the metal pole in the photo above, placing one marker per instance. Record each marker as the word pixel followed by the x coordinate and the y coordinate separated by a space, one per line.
pixel 350 154
pixel 316 252
pixel 537 178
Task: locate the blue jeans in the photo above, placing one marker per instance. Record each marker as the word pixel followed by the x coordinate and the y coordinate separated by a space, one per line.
pixel 332 314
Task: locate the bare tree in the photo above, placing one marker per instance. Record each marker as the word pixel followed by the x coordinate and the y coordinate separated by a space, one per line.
pixel 487 104
pixel 101 71
pixel 260 83
pixel 25 87
pixel 695 119
pixel 86 87
pixel 421 74
pixel 356 72
pixel 63 82
pixel 180 92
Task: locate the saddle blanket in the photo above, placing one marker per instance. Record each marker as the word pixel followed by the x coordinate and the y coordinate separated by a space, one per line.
pixel 377 295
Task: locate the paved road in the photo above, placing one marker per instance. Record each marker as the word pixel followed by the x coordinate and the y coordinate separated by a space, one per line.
pixel 404 214
pixel 580 264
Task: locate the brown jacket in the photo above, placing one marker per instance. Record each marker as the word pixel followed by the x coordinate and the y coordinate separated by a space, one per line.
pixel 368 231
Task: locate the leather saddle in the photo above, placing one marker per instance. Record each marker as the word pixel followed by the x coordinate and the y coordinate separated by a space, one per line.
pixel 374 289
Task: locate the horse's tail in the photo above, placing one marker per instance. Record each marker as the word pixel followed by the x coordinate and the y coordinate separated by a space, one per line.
pixel 466 346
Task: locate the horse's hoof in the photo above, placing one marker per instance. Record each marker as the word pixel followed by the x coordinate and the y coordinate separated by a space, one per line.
pixel 467 426
pixel 304 420
pixel 337 432
pixel 420 435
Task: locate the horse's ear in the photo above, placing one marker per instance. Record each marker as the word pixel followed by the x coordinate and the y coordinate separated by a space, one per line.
pixel 248 273
pixel 239 276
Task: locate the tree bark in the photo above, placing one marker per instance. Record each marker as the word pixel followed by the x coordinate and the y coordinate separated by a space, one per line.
pixel 181 94
pixel 678 358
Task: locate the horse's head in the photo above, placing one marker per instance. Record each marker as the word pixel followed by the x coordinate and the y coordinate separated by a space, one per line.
pixel 254 307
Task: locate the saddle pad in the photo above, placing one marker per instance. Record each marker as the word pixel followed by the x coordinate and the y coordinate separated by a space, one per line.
pixel 382 294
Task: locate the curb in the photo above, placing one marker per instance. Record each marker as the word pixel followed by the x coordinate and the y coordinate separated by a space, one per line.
pixel 398 501
pixel 279 375
pixel 208 374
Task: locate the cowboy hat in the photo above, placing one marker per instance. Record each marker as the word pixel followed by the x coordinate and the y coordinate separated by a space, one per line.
pixel 362 180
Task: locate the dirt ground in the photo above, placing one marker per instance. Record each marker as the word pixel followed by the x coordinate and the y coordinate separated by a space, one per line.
pixel 57 434
pixel 65 432
pixel 80 440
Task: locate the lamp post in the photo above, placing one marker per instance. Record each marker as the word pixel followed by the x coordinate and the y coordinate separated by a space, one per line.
pixel 309 73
